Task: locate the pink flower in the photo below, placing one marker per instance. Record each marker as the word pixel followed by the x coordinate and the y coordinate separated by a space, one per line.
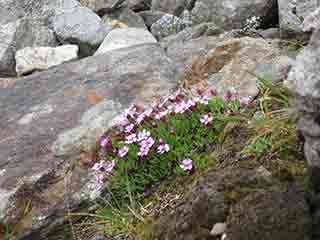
pixel 110 166
pixel 143 135
pixel 163 147
pixel 104 166
pixel 104 142
pixel 123 152
pixel 244 101
pixel 206 119
pixel 129 128
pixel 186 165
pixel 145 146
pixel 132 138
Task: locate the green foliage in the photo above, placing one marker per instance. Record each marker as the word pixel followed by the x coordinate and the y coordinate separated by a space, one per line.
pixel 259 147
pixel 187 138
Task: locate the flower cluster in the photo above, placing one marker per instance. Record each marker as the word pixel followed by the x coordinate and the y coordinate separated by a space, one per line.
pixel 151 143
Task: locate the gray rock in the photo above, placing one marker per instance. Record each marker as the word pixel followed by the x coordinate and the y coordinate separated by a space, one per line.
pixel 139 5
pixel 235 60
pixel 103 6
pixel 218 229
pixel 167 25
pixel 48 118
pixel 125 37
pixel 80 26
pixel 124 17
pixel 304 80
pixel 205 205
pixel 19 34
pixel 41 58
pixel 292 14
pixel 150 17
pixel 274 214
pixel 232 14
pixel 174 7
pixel 270 33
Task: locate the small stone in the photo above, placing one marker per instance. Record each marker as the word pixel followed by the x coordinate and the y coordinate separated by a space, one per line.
pixel 218 229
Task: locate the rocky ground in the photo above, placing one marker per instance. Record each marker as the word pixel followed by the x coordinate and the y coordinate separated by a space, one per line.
pixel 69 68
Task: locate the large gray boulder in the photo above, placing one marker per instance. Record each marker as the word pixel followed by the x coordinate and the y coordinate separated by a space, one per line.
pixel 292 14
pixel 50 122
pixel 232 14
pixel 80 26
pixel 228 63
pixel 305 83
pixel 125 37
pixel 15 35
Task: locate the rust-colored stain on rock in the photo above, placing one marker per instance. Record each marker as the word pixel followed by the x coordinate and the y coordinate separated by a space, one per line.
pixel 93 98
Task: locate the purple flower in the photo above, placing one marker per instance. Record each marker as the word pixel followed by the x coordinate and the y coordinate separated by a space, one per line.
pixel 230 95
pixel 104 142
pixel 123 152
pixel 110 166
pixel 145 146
pixel 163 147
pixel 244 101
pixel 186 165
pixel 182 107
pixel 129 128
pixel 104 166
pixel 161 115
pixel 132 138
pixel 206 119
pixel 143 135
pixel 99 181
pixel 131 111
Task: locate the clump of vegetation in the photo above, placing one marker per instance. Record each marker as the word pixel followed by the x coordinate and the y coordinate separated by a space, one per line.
pixel 151 151
pixel 150 145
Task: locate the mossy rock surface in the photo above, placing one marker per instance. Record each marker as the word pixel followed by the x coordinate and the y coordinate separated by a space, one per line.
pixel 275 214
pixel 210 201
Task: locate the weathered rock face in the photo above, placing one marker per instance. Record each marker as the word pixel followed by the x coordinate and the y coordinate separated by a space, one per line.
pixel 270 215
pixel 20 34
pixel 174 7
pixel 227 62
pixel 292 13
pixel 232 14
pixel 168 25
pixel 150 17
pixel 124 17
pixel 125 37
pixel 250 202
pixel 80 26
pixel 139 5
pixel 305 80
pixel 103 6
pixel 41 58
pixel 49 118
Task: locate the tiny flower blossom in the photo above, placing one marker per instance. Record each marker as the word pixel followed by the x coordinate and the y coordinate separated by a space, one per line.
pixel 143 135
pixel 145 146
pixel 186 165
pixel 206 119
pixel 132 138
pixel 244 101
pixel 110 166
pixel 131 111
pixel 104 142
pixel 99 181
pixel 129 128
pixel 161 115
pixel 204 100
pixel 163 147
pixel 182 107
pixel 123 152
pixel 123 121
pixel 98 166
